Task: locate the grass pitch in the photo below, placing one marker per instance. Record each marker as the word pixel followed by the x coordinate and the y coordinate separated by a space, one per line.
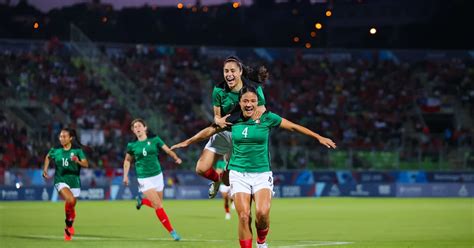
pixel 302 222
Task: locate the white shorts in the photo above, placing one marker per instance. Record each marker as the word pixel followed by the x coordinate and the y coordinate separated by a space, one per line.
pixel 147 183
pixel 224 189
pixel 220 143
pixel 75 191
pixel 250 183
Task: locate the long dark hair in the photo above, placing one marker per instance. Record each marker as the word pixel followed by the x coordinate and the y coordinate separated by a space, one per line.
pixel 75 139
pixel 256 74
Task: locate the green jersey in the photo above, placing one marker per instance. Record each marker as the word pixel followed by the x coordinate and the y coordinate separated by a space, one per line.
pixel 228 101
pixel 250 143
pixel 221 164
pixel 67 171
pixel 145 154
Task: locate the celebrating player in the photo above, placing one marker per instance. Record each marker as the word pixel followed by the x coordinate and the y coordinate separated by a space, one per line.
pixel 150 178
pixel 225 100
pixel 250 176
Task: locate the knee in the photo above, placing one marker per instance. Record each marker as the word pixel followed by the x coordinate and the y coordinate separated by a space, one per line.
pixel 262 215
pixel 244 217
pixel 71 201
pixel 202 166
pixel 199 171
pixel 156 204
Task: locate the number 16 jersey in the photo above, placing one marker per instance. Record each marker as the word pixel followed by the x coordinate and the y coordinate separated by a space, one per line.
pixel 67 171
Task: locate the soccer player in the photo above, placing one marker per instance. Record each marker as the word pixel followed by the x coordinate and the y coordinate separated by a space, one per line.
pixel 224 189
pixel 150 178
pixel 250 176
pixel 68 160
pixel 225 101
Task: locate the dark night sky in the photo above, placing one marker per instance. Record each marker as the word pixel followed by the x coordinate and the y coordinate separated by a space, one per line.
pixel 46 5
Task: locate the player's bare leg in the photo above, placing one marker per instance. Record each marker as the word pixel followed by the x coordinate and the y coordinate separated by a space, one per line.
pixel 155 198
pixel 242 206
pixel 263 200
pixel 69 208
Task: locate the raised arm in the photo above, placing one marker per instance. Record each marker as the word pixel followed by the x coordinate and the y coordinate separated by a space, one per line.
pixel 290 126
pixel 204 134
pixel 126 167
pixel 172 154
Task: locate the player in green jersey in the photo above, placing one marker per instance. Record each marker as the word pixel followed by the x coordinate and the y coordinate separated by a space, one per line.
pixel 144 152
pixel 226 106
pixel 68 160
pixel 250 174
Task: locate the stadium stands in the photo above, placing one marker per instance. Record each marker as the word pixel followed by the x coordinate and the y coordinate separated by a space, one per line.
pixel 377 110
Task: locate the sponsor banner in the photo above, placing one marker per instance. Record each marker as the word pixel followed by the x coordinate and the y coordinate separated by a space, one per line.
pixel 192 192
pixel 450 177
pixel 355 190
pixel 186 178
pixel 325 176
pixel 294 191
pixel 369 189
pixel 26 193
pixel 435 190
pixel 345 177
pixel 304 177
pixel 101 178
pixel 321 189
pixel 373 177
pixel 120 192
pixel 411 177
pixel 283 177
pixel 97 193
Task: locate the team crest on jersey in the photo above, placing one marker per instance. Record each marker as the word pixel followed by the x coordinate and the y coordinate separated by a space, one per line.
pixel 148 143
pixel 257 121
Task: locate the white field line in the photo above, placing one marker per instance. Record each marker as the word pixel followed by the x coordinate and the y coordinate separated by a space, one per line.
pixel 319 243
pixel 307 243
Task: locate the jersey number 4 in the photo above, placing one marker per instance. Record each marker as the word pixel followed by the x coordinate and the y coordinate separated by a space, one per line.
pixel 245 132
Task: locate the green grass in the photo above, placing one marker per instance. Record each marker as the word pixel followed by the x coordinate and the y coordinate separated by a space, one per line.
pixel 304 222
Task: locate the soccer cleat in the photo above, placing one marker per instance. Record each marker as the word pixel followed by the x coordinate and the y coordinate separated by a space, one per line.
pixel 67 234
pixel 175 235
pixel 69 226
pixel 139 202
pixel 227 216
pixel 71 230
pixel 213 189
pixel 264 245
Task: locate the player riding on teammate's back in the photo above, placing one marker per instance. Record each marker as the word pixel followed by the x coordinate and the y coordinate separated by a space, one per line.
pixel 225 99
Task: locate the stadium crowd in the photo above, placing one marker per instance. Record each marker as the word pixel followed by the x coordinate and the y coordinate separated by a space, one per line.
pixel 361 104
